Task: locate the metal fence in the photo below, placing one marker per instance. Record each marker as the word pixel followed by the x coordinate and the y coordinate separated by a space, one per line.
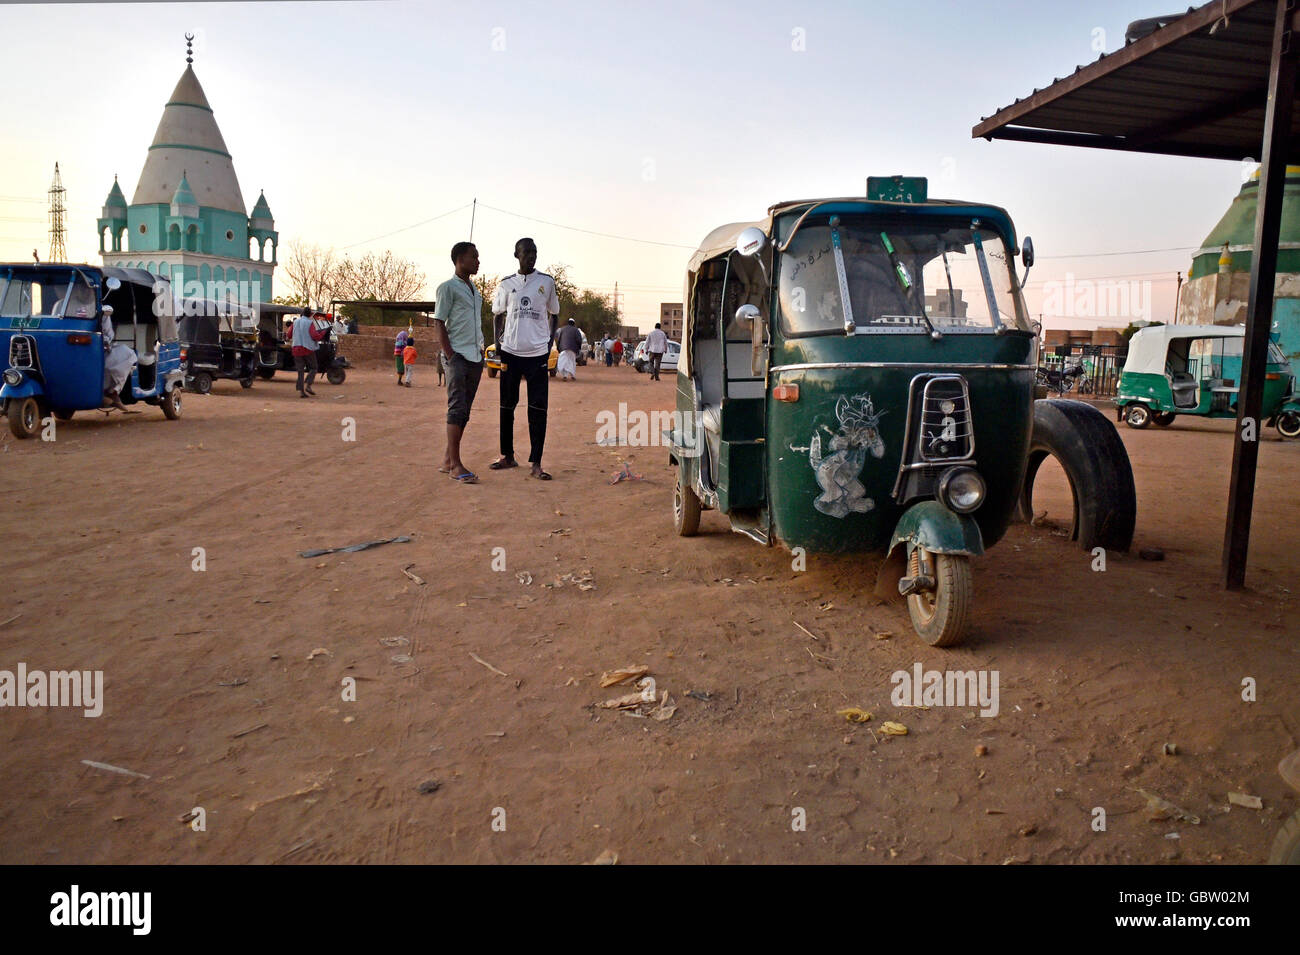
pixel 1102 365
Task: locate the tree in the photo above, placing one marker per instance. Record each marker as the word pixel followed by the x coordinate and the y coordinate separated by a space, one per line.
pixel 487 287
pixel 591 311
pixel 311 273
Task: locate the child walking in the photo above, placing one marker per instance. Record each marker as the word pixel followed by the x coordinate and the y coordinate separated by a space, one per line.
pixel 408 360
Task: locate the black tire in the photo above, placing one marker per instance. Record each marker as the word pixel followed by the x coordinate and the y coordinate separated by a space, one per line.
pixel 245 383
pixel 1286 844
pixel 1288 424
pixel 64 414
pixel 686 508
pixel 336 376
pixel 1164 418
pixel 201 383
pixel 171 403
pixel 941 617
pixel 266 374
pixel 1096 463
pixel 492 372
pixel 24 417
pixel 1137 415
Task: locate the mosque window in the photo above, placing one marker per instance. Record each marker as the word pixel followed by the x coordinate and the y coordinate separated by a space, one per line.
pixel 230 235
pixel 143 228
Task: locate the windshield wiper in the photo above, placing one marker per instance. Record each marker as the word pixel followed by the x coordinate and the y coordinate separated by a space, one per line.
pixel 842 274
pixel 905 282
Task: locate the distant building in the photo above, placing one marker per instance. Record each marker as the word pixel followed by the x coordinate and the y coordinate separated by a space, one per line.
pixel 938 303
pixel 1218 282
pixel 629 332
pixel 670 317
pixel 187 220
pixel 1053 337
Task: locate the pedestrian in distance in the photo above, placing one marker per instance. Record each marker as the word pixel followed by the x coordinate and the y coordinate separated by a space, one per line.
pixel 408 359
pixel 656 343
pixel 307 337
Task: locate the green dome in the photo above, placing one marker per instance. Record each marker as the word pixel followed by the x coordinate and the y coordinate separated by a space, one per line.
pixel 1236 230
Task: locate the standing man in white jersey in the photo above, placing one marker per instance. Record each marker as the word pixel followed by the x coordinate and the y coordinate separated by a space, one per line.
pixel 526 310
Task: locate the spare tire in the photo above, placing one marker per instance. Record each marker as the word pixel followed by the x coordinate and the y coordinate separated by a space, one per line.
pixel 1096 463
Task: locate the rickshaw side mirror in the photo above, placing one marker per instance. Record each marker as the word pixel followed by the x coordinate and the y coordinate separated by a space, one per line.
pixel 750 242
pixel 112 283
pixel 1027 253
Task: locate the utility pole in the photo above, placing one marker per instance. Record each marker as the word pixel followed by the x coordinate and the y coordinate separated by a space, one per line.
pixel 58 206
pixel 472 212
pixel 1177 292
pixel 618 318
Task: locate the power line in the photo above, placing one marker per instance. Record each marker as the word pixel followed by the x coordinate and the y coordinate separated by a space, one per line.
pixel 603 235
pixel 1095 255
pixel 407 228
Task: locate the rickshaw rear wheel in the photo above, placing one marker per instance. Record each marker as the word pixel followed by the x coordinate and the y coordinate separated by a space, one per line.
pixel 64 414
pixel 335 376
pixel 24 417
pixel 1288 424
pixel 686 508
pixel 245 382
pixel 201 382
pixel 171 403
pixel 941 616
pixel 1164 418
pixel 266 374
pixel 1137 415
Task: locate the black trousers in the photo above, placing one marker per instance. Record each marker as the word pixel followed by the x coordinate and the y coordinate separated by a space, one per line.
pixel 533 371
pixel 655 358
pixel 305 363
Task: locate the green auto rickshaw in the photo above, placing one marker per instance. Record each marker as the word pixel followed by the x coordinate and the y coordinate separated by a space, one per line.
pixel 1176 370
pixel 858 375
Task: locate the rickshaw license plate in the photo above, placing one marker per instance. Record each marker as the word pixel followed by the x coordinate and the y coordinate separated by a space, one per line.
pixel 30 321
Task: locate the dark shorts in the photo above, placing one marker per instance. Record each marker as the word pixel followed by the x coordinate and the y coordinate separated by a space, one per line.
pixel 463 377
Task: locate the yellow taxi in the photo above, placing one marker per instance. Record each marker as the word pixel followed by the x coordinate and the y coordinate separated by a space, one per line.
pixel 494 364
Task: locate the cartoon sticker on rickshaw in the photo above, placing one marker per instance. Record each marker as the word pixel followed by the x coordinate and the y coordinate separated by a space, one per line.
pixel 839 471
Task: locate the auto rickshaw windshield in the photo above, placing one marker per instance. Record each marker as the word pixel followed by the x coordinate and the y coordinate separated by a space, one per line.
pixel 899 272
pixel 45 293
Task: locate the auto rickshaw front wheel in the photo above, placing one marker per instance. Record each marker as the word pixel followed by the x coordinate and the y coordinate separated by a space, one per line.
pixel 201 383
pixel 336 376
pixel 24 417
pixel 686 508
pixel 1286 844
pixel 941 616
pixel 1164 418
pixel 1137 415
pixel 266 374
pixel 1288 424
pixel 171 403
pixel 63 414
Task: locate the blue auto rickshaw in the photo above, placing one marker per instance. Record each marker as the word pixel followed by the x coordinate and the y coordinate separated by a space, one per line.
pixel 63 327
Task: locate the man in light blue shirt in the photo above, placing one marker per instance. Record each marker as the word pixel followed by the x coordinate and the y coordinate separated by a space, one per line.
pixel 304 348
pixel 457 323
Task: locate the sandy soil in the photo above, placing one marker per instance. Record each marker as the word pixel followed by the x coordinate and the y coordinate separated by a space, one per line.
pixel 210 690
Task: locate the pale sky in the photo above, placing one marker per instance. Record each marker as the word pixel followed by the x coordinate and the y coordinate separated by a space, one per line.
pixel 656 121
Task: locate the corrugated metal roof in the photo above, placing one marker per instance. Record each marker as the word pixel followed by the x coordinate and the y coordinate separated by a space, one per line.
pixel 1195 87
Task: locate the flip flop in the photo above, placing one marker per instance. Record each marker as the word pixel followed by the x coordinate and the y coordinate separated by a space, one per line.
pixel 469 477
pixel 444 470
pixel 540 475
pixel 503 465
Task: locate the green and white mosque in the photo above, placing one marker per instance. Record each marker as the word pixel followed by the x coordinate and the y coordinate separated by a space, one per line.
pixel 186 221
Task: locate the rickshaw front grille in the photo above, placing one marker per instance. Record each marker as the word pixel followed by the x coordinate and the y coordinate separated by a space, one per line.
pixel 22 352
pixel 946 431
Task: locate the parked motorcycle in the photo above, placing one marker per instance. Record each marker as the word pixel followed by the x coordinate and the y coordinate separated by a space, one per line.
pixel 1060 380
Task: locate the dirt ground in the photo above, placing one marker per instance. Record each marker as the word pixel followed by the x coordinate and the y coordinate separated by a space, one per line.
pixel 225 686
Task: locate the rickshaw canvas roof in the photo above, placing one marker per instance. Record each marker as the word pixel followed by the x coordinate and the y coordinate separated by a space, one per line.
pixel 1149 346
pixel 134 276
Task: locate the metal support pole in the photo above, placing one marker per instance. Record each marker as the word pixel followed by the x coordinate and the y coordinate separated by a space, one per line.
pixel 1259 315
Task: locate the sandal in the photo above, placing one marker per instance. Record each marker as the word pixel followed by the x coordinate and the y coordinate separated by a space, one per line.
pixel 503 465
pixel 540 475
pixel 469 477
pixel 444 470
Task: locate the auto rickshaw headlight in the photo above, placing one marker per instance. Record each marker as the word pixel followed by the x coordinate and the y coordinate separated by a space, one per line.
pixel 13 377
pixel 962 490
